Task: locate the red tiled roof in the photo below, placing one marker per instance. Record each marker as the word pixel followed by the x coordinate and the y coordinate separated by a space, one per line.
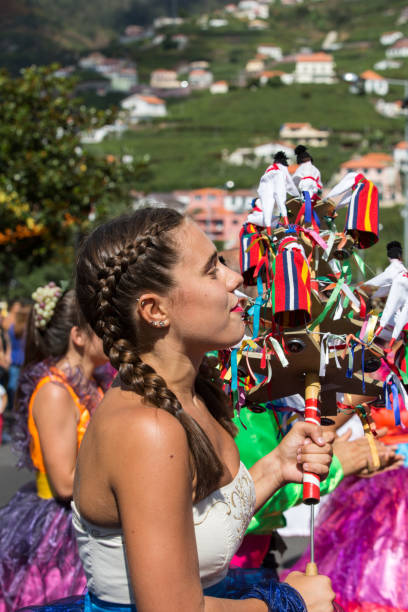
pixel 371 160
pixel 402 145
pixel 371 75
pixel 272 73
pixel 295 126
pixel 314 57
pixel 152 99
pixel 400 44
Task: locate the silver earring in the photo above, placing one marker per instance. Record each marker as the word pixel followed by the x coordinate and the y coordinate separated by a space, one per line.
pixel 161 323
pixel 154 323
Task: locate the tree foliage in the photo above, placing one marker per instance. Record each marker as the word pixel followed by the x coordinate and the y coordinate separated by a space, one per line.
pixel 51 188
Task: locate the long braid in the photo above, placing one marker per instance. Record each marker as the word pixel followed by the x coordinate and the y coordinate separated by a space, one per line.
pixel 114 281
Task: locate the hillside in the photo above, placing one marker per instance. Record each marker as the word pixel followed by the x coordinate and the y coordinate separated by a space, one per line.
pixel 43 31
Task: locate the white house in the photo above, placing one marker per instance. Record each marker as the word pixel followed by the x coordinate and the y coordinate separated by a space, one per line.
pixel 374 83
pixel 271 51
pixel 389 109
pixel 389 38
pixel 255 66
pixel 163 22
pixel 265 152
pixel 387 64
pixel 217 22
pixel 315 68
pixel 251 9
pixel 304 133
pixel 123 79
pixel 398 49
pixel 200 79
pixel 219 87
pixel 400 155
pixel 260 154
pixel 164 79
pixel 92 61
pixel 96 136
pixel 257 24
pixel 199 65
pixel 141 107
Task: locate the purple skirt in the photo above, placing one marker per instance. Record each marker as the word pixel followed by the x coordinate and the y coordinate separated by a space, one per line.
pixel 38 552
pixel 361 542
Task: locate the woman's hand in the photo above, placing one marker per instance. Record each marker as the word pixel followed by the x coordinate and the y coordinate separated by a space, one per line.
pixel 315 590
pixel 356 458
pixel 307 447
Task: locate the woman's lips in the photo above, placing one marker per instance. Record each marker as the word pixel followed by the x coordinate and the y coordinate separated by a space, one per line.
pixel 237 308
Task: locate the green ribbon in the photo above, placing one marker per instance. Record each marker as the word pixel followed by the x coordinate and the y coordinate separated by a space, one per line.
pixel 330 303
pixel 360 262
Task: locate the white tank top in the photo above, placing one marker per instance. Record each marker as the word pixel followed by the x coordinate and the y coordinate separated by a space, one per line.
pixel 220 522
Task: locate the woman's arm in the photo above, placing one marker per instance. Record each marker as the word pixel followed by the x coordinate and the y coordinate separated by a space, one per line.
pixel 305 446
pixel 55 415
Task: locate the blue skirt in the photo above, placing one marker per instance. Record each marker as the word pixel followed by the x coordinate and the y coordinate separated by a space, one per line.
pixel 233 586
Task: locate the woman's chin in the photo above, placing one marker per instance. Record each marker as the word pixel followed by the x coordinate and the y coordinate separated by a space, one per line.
pixel 233 340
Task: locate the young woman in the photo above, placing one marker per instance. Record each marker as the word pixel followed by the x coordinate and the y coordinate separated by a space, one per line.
pixel 55 397
pixel 161 500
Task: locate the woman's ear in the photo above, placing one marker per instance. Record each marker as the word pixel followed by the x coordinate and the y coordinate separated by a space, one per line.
pixel 78 337
pixel 151 308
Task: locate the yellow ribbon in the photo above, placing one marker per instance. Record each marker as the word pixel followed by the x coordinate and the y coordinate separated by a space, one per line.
pixel 245 343
pixel 43 486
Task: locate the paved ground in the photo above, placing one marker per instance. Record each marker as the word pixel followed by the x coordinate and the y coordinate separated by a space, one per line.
pixel 12 479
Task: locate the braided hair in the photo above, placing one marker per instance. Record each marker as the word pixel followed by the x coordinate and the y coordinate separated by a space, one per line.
pixel 116 264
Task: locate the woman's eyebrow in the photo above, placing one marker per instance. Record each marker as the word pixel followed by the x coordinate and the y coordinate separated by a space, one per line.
pixel 212 260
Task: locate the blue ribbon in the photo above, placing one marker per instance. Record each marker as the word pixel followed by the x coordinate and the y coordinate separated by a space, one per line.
pixel 309 209
pixel 257 306
pixel 234 370
pixel 390 388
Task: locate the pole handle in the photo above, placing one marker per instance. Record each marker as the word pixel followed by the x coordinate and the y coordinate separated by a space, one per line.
pixel 311 482
pixel 311 569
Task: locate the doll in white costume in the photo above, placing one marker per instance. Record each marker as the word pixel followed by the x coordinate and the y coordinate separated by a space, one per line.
pixel 307 176
pixel 275 183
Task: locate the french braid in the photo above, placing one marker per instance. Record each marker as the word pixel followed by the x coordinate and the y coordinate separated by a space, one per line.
pixel 116 263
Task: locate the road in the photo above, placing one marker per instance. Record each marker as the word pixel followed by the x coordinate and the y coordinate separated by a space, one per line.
pixel 11 479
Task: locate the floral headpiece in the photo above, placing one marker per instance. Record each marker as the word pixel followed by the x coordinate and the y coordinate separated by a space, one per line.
pixel 45 300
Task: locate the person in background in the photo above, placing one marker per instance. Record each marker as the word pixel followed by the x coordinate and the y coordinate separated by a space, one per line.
pixel 3 406
pixel 56 395
pixel 379 286
pixel 17 338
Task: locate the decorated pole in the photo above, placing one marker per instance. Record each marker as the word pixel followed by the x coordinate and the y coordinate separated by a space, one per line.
pixel 311 482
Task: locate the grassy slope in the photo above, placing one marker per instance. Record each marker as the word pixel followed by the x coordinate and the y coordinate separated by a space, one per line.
pixel 186 150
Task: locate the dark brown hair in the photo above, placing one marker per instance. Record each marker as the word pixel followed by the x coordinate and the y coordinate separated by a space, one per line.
pixel 117 263
pixel 53 340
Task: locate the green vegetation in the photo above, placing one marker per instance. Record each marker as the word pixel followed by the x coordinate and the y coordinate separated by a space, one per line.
pixel 51 190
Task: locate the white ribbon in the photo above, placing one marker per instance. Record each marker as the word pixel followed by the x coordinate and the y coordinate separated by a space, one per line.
pixel 328 345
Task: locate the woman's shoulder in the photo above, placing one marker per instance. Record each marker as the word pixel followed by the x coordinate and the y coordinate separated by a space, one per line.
pixel 133 425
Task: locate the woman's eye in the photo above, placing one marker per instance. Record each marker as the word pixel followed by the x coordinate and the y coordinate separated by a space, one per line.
pixel 213 272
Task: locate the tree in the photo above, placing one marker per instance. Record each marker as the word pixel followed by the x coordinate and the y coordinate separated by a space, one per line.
pixel 52 189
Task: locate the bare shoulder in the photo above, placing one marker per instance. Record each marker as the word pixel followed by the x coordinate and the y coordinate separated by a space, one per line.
pixel 53 395
pixel 136 432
